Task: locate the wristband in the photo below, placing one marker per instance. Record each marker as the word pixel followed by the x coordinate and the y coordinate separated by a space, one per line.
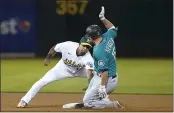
pixel 102 18
pixel 89 79
pixel 48 56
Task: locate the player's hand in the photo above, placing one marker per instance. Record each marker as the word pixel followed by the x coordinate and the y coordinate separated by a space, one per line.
pixel 102 92
pixel 46 62
pixel 102 13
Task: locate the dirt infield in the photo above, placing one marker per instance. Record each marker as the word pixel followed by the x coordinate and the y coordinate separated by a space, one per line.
pixel 54 101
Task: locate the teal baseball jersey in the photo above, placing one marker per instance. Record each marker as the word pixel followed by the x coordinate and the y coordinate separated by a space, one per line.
pixel 105 53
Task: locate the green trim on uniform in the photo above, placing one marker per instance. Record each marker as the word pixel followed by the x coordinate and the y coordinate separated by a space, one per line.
pixel 86 44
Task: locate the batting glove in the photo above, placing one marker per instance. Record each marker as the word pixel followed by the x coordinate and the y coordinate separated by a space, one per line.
pixel 102 92
pixel 102 13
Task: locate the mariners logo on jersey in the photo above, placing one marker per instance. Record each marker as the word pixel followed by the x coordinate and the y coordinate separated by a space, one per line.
pixel 101 63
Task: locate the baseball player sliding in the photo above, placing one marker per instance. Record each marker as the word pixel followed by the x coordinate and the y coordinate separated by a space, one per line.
pixel 76 61
pixel 105 74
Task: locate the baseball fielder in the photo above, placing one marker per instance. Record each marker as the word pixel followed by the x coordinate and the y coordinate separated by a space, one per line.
pixel 76 61
pixel 105 74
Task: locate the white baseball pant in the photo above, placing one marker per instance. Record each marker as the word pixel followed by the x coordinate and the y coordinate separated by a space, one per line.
pixel 58 72
pixel 91 97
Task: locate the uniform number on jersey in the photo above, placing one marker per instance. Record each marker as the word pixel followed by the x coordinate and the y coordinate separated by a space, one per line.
pixel 114 52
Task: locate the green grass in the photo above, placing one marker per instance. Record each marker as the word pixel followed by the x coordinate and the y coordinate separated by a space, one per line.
pixel 146 76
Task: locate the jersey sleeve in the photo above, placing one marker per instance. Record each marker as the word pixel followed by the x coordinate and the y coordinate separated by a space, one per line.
pixel 60 47
pixel 88 61
pixel 102 62
pixel 111 33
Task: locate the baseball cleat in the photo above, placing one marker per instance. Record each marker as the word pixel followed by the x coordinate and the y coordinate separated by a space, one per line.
pixel 117 104
pixel 81 105
pixel 22 104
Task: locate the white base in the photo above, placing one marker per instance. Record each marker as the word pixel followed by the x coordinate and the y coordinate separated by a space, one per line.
pixel 70 105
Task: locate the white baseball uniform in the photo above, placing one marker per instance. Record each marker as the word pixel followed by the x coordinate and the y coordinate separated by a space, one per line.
pixel 69 66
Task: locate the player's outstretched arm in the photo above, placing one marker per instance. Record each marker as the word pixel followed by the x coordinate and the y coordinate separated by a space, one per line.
pixel 105 21
pixel 50 54
pixel 89 76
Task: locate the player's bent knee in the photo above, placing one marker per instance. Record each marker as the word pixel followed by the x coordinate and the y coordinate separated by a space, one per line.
pixel 85 100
